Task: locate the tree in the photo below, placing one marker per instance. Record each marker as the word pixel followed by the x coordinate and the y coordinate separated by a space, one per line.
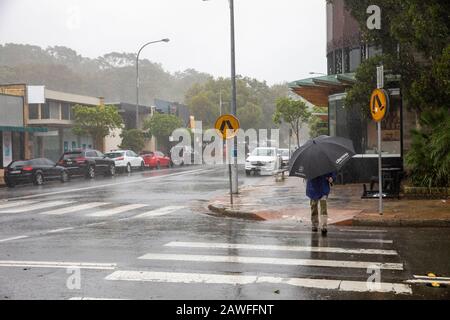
pixel 98 122
pixel 255 101
pixel 132 139
pixel 293 112
pixel 318 126
pixel 428 161
pixel 161 126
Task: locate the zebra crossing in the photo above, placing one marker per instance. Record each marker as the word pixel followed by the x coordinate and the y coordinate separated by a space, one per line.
pixel 93 209
pixel 266 264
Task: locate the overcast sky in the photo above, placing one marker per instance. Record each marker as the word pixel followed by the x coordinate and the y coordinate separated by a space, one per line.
pixel 276 40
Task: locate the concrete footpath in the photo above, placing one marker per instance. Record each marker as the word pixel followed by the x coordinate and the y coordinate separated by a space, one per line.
pixel 286 200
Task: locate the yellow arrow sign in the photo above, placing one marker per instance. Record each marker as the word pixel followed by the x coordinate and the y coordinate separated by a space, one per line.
pixel 379 104
pixel 227 126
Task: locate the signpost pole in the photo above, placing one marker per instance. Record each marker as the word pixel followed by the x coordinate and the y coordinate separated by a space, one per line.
pixel 380 85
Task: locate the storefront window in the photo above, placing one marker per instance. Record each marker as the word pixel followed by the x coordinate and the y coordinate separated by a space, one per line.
pixel 390 131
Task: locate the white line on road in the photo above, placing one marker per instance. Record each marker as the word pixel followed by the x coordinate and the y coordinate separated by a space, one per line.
pixel 42 205
pixel 56 264
pixel 60 230
pixel 431 278
pixel 111 212
pixel 13 238
pixel 274 261
pixel 109 184
pixel 159 212
pixel 312 233
pixel 202 278
pixel 10 204
pixel 426 281
pixel 80 207
pixel 210 245
pixel 92 298
pixel 363 230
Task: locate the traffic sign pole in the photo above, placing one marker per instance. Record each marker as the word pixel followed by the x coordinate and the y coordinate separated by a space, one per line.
pixel 380 85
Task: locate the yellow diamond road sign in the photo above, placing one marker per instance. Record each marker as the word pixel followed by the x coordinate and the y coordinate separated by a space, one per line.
pixel 379 104
pixel 227 126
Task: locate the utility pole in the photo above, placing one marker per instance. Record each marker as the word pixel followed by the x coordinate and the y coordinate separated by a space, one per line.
pixel 234 167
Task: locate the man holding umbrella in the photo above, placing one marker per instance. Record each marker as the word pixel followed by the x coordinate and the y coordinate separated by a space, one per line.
pixel 317 190
pixel 317 161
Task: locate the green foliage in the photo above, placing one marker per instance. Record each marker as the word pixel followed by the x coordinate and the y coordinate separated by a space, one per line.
pixel 292 112
pixel 428 161
pixel 132 139
pixel 112 75
pixel 255 101
pixel 161 126
pixel 96 121
pixel 317 126
pixel 415 37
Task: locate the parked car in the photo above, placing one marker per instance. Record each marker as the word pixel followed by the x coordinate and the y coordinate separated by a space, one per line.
pixel 263 161
pixel 285 156
pixel 87 163
pixel 126 160
pixel 35 171
pixel 156 159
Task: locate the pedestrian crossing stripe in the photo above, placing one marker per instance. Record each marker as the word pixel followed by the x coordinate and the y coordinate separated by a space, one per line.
pixel 159 212
pixel 64 207
pixel 211 245
pixel 36 206
pixel 80 207
pixel 57 264
pixel 273 261
pixel 117 210
pixel 203 278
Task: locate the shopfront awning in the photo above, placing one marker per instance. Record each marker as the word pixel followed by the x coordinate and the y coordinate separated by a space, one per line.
pixel 317 90
pixel 23 129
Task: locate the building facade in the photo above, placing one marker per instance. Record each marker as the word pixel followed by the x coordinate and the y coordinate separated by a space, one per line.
pixel 345 52
pixel 47 120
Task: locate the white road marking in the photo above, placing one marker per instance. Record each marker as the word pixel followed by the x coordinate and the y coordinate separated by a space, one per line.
pixel 13 238
pixel 431 278
pixel 92 298
pixel 42 205
pixel 274 261
pixel 56 264
pixel 9 204
pixel 310 232
pixel 80 207
pixel 279 248
pixel 111 212
pixel 60 230
pixel 363 230
pixel 202 278
pixel 426 281
pixel 109 184
pixel 159 212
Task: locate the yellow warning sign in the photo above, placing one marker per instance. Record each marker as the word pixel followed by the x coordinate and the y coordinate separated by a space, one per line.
pixel 227 123
pixel 379 104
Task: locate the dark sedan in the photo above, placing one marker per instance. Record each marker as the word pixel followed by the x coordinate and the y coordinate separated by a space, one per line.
pixel 87 163
pixel 35 171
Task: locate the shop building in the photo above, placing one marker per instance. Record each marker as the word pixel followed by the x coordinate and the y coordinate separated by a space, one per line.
pixel 345 52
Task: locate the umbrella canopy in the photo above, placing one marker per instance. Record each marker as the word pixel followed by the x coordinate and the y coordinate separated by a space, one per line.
pixel 320 156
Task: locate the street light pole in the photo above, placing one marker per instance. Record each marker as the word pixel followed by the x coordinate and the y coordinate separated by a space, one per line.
pixel 137 77
pixel 234 171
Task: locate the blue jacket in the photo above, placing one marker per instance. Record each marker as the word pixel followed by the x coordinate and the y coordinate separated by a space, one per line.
pixel 319 187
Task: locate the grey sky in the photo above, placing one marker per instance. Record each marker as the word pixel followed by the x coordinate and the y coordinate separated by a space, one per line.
pixel 276 40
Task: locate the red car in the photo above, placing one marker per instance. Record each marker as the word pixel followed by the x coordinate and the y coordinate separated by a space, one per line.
pixel 155 159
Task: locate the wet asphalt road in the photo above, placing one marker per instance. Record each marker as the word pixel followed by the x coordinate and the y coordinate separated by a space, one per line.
pixel 147 236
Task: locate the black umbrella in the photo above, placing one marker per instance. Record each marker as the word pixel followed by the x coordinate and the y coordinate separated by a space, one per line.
pixel 320 156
